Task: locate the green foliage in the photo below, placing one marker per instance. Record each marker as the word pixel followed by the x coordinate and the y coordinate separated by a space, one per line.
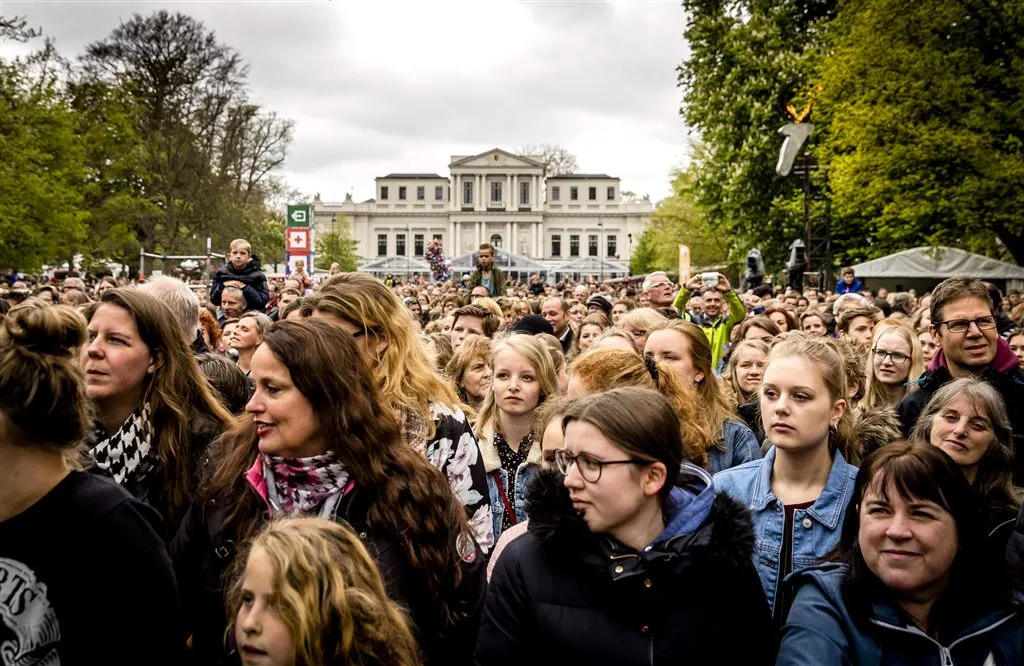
pixel 643 259
pixel 925 103
pixel 337 246
pixel 677 221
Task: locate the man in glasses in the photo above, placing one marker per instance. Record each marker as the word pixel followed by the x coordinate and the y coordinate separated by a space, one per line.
pixel 964 328
pixel 722 310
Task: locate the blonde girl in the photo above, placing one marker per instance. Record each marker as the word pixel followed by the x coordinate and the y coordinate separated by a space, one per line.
pixel 311 595
pixel 745 369
pixel 894 364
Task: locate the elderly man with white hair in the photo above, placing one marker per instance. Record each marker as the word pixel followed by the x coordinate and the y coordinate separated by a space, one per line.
pixel 659 289
pixel 184 304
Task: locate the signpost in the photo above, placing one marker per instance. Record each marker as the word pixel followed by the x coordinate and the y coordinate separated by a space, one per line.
pixel 299 236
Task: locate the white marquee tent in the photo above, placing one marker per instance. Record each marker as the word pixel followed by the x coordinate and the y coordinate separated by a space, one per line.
pixel 933 264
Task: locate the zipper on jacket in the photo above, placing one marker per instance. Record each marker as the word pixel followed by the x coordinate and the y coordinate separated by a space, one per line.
pixel 945 653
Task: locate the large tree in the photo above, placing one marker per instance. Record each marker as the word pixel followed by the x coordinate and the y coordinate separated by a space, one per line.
pixel 925 109
pixel 557 160
pixel 678 221
pixel 193 157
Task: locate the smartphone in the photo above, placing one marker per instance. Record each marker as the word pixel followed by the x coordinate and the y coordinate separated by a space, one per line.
pixel 709 279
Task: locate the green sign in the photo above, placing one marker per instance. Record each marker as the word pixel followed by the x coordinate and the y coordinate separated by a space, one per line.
pixel 300 215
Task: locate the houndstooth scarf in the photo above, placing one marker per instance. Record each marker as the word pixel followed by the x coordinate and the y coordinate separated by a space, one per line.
pixel 128 453
pixel 301 485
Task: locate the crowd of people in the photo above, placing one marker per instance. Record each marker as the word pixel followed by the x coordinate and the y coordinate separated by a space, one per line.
pixel 491 471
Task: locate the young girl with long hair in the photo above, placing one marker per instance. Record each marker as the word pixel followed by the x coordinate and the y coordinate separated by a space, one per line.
pixel 61 527
pixel 628 553
pixel 311 594
pixel 321 441
pixel 591 328
pixel 893 366
pixel 522 377
pixel 745 369
pixel 685 348
pixel 426 404
pixel 156 413
pixel 798 492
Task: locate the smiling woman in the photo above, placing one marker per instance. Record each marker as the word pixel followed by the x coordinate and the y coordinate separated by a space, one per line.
pixel 916 582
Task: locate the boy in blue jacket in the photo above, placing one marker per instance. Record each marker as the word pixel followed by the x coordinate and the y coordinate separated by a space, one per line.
pixel 243 271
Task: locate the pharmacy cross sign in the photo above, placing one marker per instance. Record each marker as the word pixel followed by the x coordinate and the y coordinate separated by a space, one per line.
pixel 298 240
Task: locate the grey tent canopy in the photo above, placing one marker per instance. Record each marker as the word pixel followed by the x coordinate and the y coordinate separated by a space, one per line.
pixel 939 263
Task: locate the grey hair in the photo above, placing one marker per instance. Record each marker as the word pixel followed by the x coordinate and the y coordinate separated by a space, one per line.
pixel 263 322
pixel 181 299
pixel 235 290
pixel 648 281
pixel 861 302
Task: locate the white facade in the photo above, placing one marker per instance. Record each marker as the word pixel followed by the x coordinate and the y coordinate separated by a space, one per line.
pixel 495 197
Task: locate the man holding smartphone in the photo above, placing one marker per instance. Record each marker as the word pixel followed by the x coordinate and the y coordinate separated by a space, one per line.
pixel 716 322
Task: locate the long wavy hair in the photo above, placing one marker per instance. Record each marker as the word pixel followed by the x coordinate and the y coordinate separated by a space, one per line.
pixel 178 393
pixel 606 369
pixel 716 406
pixel 824 357
pixel 994 480
pixel 536 354
pixel 329 594
pixel 413 499
pixel 872 392
pixel 472 348
pixel 404 371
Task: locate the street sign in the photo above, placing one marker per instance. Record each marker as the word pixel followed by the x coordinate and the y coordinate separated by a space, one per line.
pixel 298 240
pixel 299 215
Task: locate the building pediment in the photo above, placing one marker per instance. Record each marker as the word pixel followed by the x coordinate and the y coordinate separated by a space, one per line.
pixel 495 158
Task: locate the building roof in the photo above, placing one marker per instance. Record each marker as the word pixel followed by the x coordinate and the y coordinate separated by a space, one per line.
pixel 412 176
pixel 939 263
pixel 582 176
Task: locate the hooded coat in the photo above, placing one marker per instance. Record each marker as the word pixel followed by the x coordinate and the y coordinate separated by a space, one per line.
pixel 562 594
pixel 1003 373
pixel 251 275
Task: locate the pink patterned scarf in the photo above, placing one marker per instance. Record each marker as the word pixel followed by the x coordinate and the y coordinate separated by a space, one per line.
pixel 299 486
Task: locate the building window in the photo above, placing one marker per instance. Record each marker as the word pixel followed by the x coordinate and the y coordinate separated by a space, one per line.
pixel 613 245
pixel 592 194
pixel 417 245
pixel 439 193
pixel 574 245
pixel 437 237
pixel 382 243
pixel 467 193
pixel 421 193
pixel 400 244
pixel 495 192
pixel 401 193
pixel 592 245
pixel 496 240
pixel 524 194
pixel 611 194
pixel 556 193
pixel 556 245
pixel 383 192
pixel 574 194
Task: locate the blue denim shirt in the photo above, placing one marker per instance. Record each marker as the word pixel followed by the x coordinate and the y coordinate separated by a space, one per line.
pixel 740 446
pixel 496 475
pixel 816 530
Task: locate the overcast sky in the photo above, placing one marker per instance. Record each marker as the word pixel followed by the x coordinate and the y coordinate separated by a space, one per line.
pixel 377 86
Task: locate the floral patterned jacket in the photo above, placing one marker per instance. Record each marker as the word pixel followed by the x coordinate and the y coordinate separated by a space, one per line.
pixel 455 451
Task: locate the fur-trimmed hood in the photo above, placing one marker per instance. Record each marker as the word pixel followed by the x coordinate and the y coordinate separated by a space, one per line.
pixel 722 530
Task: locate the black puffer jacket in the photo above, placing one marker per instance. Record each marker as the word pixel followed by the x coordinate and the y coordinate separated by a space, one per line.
pixel 251 275
pixel 562 595
pixel 204 553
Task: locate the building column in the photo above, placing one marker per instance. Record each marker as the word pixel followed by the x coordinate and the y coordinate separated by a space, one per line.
pixel 456 197
pixel 535 203
pixel 538 239
pixel 481 203
pixel 450 242
pixel 479 230
pixel 508 188
pixel 457 250
pixel 507 240
pixel 515 192
pixel 515 237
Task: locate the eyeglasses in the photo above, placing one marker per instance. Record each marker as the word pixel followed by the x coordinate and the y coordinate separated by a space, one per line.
pixel 963 325
pixel 898 358
pixel 589 466
pixel 658 285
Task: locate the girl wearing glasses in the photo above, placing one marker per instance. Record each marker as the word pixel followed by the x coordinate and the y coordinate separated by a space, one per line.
pixel 798 492
pixel 894 365
pixel 629 557
pixel 522 377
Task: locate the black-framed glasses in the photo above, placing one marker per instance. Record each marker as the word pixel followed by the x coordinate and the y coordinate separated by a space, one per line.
pixel 963 325
pixel 899 358
pixel 589 466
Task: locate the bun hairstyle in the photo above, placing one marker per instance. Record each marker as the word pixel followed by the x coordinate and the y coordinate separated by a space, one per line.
pixel 42 386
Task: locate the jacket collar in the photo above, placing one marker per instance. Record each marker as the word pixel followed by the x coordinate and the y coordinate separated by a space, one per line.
pixel 827 509
pixel 1004 363
pixel 489 452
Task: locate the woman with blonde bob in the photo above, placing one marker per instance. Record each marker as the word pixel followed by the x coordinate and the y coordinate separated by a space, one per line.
pixel 600 370
pixel 894 364
pixel 522 378
pixel 685 348
pixel 967 419
pixel 638 323
pixel 432 422
pixel 469 370
pixel 311 594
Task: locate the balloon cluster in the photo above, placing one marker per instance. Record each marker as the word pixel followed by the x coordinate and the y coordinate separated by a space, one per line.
pixel 440 267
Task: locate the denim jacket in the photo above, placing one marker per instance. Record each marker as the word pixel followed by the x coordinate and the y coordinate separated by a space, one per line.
pixel 816 530
pixel 740 446
pixel 497 478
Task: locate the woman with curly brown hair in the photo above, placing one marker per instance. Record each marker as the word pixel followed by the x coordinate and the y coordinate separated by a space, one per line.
pixel 320 440
pixel 312 594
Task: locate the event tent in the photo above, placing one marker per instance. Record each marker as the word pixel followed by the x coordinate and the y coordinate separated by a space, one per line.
pixel 923 267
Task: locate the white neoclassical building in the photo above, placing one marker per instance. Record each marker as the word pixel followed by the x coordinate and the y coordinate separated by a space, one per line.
pixel 575 223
